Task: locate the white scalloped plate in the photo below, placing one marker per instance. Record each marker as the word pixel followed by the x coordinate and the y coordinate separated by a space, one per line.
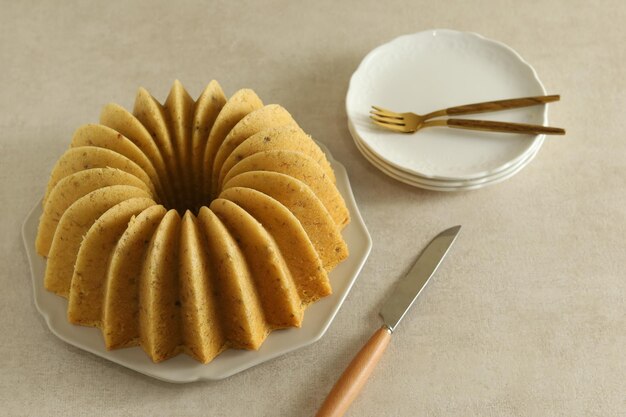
pixel 439 185
pixel 443 186
pixel 182 368
pixel 433 70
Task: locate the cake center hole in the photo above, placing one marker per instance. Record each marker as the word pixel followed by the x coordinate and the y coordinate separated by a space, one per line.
pixel 184 193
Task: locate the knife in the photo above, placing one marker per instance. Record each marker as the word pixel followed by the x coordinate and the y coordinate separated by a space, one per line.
pixel 395 308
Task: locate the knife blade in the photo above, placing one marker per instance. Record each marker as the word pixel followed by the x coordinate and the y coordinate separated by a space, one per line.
pixel 395 308
pixel 412 284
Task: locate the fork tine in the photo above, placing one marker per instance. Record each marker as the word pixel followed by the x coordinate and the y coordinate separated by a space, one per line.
pixel 387 112
pixel 380 114
pixel 387 121
pixel 389 126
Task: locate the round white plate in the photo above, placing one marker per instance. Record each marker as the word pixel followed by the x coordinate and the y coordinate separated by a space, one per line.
pixel 447 182
pixel 437 69
pixel 442 186
pixel 182 368
pixel 509 174
pixel 445 185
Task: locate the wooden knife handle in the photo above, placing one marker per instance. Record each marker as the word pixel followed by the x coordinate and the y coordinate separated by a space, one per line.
pixel 356 374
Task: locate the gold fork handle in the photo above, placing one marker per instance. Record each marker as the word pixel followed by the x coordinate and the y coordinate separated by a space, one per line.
pixel 492 126
pixel 492 106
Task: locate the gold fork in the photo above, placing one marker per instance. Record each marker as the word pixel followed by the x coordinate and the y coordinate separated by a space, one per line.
pixel 411 122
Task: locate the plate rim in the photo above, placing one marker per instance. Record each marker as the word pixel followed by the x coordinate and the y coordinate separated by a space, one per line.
pixel 470 187
pixel 439 185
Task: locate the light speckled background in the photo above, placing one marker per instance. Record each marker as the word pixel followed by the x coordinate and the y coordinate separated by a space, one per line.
pixel 526 318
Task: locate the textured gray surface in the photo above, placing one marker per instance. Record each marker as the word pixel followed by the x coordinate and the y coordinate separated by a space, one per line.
pixel 528 315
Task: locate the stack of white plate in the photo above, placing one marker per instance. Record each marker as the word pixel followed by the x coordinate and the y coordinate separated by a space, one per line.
pixel 434 70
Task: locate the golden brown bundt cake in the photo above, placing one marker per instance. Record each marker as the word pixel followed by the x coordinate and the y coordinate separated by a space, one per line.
pixel 191 226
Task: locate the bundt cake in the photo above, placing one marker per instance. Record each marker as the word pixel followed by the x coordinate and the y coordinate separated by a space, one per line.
pixel 191 226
